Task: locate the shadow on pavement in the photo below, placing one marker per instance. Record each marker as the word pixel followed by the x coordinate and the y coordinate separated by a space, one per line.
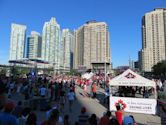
pixel 102 100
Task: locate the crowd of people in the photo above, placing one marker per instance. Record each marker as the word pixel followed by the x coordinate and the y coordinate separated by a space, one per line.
pixel 48 94
pixel 51 95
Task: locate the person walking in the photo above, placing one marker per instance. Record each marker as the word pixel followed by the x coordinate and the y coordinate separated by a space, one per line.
pixel 94 89
pixel 66 120
pixel 71 99
pixel 106 98
pixel 83 117
pixel 43 91
pixel 85 94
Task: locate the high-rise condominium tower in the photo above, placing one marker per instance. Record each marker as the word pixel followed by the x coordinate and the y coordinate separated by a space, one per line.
pixel 92 45
pixel 153 39
pixel 34 45
pixel 51 45
pixel 67 44
pixel 17 42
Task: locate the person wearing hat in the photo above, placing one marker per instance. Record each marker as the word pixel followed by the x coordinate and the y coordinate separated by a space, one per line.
pixel 6 118
pixel 83 117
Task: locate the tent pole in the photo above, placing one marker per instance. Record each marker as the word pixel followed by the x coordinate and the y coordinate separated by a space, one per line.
pixel 155 92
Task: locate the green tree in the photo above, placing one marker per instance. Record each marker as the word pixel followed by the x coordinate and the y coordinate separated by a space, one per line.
pixel 24 71
pixel 72 72
pixel 3 71
pixel 15 70
pixel 159 69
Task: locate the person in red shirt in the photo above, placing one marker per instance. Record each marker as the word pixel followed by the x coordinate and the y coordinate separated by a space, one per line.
pixel 119 114
pixel 105 119
pixel 94 88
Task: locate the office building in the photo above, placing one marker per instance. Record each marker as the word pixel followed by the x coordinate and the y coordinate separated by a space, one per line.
pixel 92 46
pixel 34 45
pixel 17 42
pixel 153 39
pixel 67 44
pixel 51 44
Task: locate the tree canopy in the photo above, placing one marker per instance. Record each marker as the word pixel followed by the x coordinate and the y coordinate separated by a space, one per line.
pixel 160 69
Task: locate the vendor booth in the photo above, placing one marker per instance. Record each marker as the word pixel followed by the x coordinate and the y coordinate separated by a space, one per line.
pixel 133 93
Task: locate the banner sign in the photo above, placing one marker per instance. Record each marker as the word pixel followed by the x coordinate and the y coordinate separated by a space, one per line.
pixel 129 83
pixel 136 105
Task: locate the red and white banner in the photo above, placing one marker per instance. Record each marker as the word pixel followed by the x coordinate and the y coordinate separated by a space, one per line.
pixel 136 105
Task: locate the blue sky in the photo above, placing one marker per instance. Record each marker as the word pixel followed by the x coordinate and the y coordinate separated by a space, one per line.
pixel 122 16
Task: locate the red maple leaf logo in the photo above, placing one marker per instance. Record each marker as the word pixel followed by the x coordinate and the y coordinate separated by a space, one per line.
pixel 121 104
pixel 130 76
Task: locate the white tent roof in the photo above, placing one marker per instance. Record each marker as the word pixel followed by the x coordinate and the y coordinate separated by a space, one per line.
pixel 87 75
pixel 130 78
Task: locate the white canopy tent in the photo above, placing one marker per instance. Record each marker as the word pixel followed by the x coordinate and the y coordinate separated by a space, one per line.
pixel 138 105
pixel 130 78
pixel 87 75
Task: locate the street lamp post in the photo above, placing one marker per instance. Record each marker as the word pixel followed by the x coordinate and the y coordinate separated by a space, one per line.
pixel 105 72
pixel 54 67
pixel 105 65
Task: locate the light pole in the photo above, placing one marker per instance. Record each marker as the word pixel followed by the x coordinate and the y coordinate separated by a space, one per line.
pixel 105 65
pixel 105 71
pixel 54 67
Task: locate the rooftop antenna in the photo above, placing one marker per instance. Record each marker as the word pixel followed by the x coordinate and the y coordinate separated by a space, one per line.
pixel 130 62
